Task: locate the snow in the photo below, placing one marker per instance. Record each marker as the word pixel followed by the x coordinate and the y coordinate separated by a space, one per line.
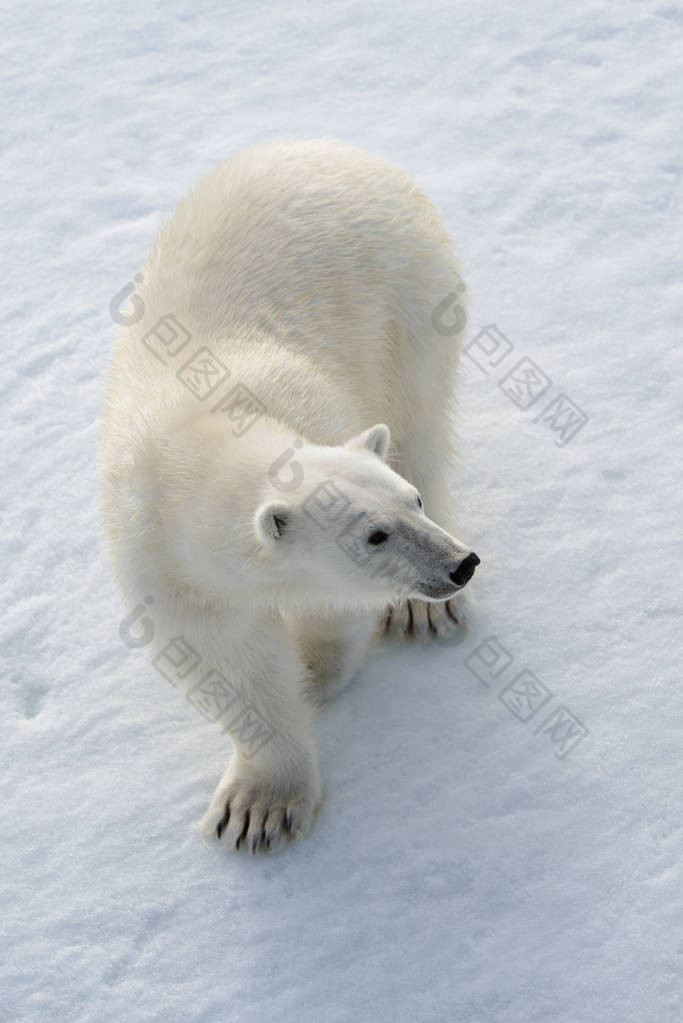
pixel 459 870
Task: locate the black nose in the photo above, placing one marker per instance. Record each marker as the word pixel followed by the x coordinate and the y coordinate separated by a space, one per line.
pixel 465 570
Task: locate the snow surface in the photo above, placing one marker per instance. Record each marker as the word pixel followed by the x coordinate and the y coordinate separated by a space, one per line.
pixel 459 870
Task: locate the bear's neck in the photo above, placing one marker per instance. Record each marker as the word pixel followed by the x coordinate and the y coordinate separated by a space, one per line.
pixel 205 486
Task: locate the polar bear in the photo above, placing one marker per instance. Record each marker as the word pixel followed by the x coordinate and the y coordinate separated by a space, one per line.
pixel 277 449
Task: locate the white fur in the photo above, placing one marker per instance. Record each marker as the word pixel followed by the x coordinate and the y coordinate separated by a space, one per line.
pixel 311 271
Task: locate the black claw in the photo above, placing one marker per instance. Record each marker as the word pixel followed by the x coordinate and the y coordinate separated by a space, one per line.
pixel 283 820
pixel 388 619
pixel 222 824
pixel 450 614
pixel 432 627
pixel 409 630
pixel 245 828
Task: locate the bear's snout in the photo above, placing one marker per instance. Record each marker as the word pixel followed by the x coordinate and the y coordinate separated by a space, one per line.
pixel 465 570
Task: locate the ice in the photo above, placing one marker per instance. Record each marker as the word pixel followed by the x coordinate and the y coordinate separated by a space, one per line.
pixel 462 870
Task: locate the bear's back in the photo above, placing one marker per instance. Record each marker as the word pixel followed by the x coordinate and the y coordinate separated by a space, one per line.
pixel 306 268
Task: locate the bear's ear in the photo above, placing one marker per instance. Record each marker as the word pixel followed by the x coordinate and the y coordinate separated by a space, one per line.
pixel 272 521
pixel 376 439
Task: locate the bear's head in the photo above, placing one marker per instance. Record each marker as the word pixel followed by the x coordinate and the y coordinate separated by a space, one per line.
pixel 347 527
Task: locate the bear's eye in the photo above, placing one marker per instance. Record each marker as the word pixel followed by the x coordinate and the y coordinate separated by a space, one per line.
pixel 419 501
pixel 379 536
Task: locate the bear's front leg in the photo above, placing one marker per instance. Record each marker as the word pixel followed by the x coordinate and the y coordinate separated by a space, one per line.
pixel 270 795
pixel 334 647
